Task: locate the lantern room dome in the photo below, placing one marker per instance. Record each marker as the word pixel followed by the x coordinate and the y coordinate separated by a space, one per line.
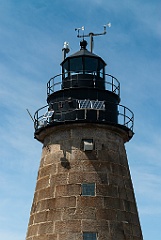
pixel 83 60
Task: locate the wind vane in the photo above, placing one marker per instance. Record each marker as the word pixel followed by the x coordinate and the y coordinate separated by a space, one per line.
pixel 91 34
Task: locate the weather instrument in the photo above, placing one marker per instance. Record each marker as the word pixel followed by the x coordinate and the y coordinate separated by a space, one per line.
pixel 91 34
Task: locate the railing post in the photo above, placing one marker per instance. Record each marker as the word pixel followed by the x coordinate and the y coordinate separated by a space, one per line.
pixel 119 89
pixel 132 121
pixel 36 120
pixel 53 85
pixel 124 116
pixel 94 80
pixel 47 88
pixel 85 114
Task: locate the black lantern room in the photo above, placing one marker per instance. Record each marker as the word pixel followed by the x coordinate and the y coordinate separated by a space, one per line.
pixel 81 68
pixel 83 92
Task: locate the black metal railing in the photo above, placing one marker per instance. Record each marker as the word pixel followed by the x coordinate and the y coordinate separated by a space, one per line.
pixel 110 83
pixel 125 116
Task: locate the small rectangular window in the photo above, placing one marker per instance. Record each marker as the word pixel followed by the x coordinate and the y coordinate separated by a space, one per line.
pixel 89 236
pixel 88 189
pixel 88 144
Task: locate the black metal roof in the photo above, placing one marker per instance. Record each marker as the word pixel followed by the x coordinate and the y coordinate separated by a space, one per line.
pixel 83 52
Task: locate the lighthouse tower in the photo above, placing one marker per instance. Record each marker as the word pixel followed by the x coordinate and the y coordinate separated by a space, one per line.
pixel 84 189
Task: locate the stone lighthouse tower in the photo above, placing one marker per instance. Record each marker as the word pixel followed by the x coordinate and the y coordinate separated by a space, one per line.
pixel 84 189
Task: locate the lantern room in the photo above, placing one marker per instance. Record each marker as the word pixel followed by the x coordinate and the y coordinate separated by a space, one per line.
pixel 83 69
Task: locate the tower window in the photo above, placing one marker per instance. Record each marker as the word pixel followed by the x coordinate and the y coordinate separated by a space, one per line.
pixel 88 189
pixel 88 144
pixel 89 236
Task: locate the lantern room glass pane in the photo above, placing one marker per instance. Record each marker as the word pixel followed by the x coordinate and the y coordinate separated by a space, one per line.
pixel 76 64
pixel 91 64
pixel 65 69
pixel 65 66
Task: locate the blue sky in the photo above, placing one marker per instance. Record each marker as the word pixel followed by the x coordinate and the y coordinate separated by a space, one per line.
pixel 32 33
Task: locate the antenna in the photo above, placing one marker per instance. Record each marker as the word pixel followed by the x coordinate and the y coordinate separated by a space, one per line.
pixel 30 115
pixel 91 35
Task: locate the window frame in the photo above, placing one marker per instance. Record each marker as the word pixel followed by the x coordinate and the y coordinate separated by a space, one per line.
pixel 87 237
pixel 91 192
